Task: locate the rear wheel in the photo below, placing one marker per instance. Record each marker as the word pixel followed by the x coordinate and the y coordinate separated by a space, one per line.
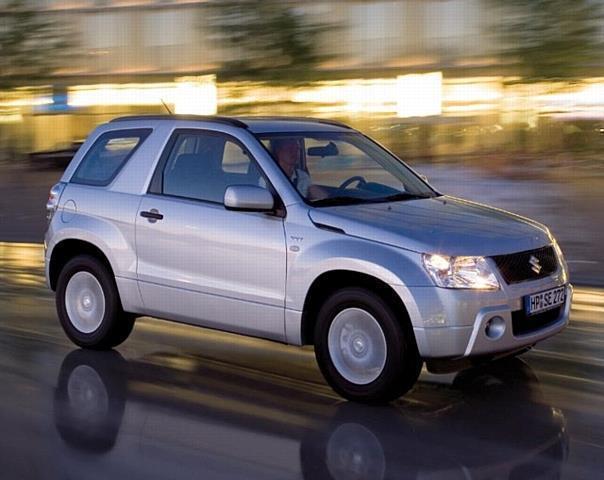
pixel 89 306
pixel 365 350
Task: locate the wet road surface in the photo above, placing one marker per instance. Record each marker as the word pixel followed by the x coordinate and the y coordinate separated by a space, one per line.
pixel 177 402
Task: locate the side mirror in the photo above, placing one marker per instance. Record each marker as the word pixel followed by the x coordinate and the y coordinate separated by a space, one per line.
pixel 248 198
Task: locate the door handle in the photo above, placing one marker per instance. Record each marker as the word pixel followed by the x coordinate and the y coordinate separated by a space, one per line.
pixel 152 215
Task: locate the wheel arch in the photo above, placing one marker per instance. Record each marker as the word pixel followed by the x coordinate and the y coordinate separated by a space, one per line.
pixel 329 282
pixel 69 248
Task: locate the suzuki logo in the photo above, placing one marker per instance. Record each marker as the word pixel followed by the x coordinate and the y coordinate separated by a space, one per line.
pixel 535 265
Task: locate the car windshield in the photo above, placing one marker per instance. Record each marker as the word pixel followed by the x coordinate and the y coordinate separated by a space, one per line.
pixel 340 168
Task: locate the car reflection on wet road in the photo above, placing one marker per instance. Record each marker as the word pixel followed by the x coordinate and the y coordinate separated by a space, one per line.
pixel 182 402
pixel 254 427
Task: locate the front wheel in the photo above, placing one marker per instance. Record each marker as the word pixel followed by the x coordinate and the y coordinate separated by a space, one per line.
pixel 366 351
pixel 89 306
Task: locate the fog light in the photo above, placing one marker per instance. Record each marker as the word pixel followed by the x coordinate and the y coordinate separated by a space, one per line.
pixel 495 328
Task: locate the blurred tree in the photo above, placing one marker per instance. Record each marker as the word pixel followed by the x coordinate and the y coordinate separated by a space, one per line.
pixel 550 39
pixel 270 39
pixel 32 45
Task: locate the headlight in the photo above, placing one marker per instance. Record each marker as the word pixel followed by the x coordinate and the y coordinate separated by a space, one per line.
pixel 460 272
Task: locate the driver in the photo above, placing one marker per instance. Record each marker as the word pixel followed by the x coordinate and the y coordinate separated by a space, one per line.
pixel 287 153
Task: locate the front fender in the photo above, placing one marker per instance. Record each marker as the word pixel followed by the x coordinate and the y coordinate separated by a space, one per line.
pixel 334 251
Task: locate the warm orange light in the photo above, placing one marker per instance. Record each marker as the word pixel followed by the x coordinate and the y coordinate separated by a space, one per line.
pixel 192 95
pixel 419 95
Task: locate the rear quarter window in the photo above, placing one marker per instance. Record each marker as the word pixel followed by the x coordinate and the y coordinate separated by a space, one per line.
pixel 108 155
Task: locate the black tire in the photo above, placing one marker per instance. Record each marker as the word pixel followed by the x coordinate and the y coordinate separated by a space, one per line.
pixel 115 326
pixel 403 363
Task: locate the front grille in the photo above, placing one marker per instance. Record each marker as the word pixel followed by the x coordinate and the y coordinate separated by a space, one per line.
pixel 523 324
pixel 517 267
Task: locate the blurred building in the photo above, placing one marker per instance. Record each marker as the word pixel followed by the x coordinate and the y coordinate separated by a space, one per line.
pixel 133 40
pixel 137 55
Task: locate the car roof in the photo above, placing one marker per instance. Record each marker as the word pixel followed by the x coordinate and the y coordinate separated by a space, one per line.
pixel 258 125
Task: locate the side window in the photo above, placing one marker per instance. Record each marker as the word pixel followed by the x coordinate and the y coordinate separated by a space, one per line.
pixel 108 155
pixel 201 165
pixel 235 159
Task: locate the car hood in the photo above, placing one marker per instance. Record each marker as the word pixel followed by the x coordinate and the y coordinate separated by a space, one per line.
pixel 446 225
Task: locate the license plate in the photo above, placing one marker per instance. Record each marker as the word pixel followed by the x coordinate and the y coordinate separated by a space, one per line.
pixel 542 301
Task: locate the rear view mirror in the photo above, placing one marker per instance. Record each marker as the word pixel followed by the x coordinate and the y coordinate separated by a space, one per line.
pixel 248 198
pixel 329 150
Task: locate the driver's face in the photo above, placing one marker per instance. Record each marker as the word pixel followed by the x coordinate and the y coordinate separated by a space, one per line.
pixel 287 155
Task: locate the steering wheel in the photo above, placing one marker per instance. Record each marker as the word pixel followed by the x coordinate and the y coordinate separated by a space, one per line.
pixel 351 180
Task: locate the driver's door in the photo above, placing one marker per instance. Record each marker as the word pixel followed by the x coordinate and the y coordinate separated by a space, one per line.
pixel 199 262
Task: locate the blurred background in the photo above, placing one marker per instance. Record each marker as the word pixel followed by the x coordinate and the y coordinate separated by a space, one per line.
pixel 499 101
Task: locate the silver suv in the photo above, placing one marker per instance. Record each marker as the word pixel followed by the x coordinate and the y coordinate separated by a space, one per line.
pixel 300 231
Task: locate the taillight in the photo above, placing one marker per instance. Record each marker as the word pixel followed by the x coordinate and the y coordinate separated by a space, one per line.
pixel 53 199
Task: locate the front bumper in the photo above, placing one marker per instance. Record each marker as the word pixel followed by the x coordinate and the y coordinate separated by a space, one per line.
pixel 451 323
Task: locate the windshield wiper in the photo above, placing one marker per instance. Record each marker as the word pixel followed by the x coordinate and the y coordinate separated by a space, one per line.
pixel 340 200
pixel 404 196
pixel 349 200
